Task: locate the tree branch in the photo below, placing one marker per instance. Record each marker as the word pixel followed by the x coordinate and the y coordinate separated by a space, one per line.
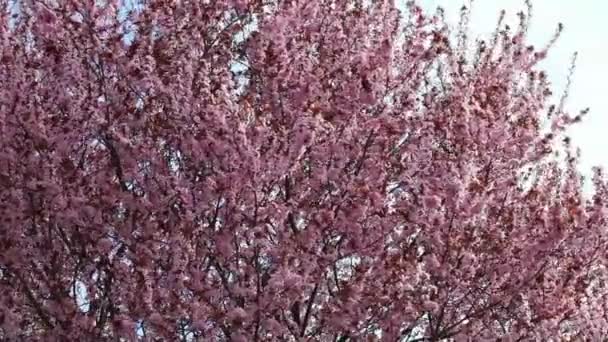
pixel 309 309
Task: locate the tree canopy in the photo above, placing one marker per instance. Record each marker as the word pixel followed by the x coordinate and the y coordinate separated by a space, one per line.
pixel 287 170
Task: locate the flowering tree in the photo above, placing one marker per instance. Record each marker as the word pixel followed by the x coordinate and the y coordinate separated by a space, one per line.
pixel 323 170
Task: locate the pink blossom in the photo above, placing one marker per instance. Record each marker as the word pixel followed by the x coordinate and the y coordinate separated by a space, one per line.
pixel 430 202
pixel 237 315
pixel 221 170
pixel 431 306
pixel 105 245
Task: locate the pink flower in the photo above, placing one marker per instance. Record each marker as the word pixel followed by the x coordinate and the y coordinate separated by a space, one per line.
pixel 237 315
pixel 431 306
pixel 432 262
pixel 430 202
pixel 291 280
pixel 105 245
pixel 156 319
pixel 238 337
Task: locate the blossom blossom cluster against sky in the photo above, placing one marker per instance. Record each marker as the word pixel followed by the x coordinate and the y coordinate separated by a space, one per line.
pixel 584 32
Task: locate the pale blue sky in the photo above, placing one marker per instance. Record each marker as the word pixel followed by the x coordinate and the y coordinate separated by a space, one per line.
pixel 586 32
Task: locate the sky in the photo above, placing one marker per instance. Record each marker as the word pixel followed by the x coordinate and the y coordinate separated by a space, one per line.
pixel 584 32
